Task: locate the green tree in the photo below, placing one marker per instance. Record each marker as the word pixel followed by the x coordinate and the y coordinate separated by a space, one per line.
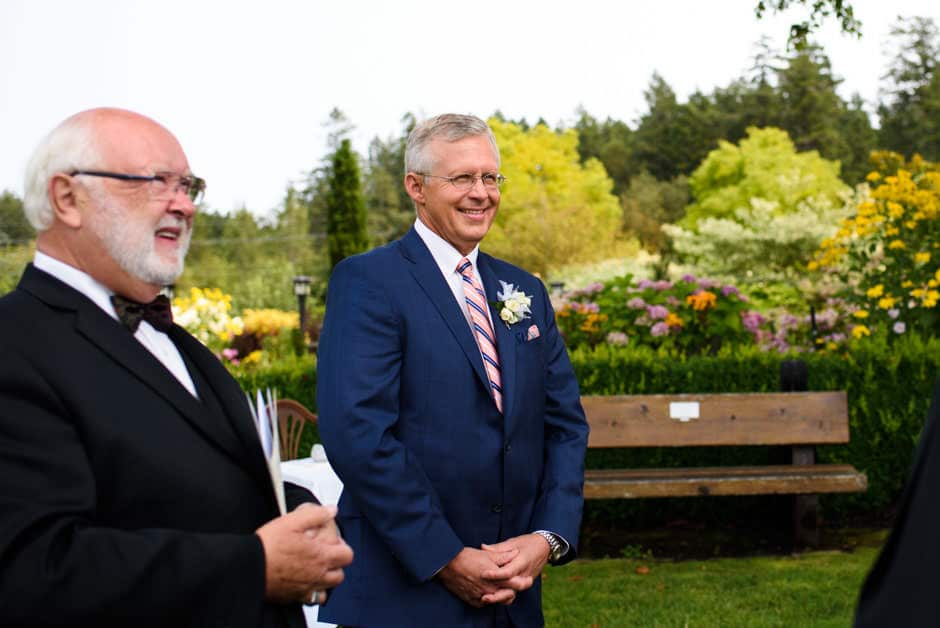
pixel 910 111
pixel 345 207
pixel 14 228
pixel 649 203
pixel 764 165
pixel 555 210
pixel 390 209
pixel 761 208
pixel 611 142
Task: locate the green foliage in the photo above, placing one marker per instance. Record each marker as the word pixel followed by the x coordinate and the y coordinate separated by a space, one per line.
pixel 821 9
pixel 610 142
pixel 14 228
pixel 390 210
pixel 554 209
pixel 346 210
pixel 649 203
pixel 764 165
pixel 910 112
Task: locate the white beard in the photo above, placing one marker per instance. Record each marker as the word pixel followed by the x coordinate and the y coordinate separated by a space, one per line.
pixel 131 244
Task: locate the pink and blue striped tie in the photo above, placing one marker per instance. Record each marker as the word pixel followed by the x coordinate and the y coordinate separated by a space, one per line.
pixel 482 329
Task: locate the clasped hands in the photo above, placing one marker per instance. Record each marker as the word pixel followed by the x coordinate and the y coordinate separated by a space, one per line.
pixel 304 554
pixel 494 574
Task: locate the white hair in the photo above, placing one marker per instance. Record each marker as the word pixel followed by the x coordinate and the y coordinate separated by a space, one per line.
pixel 70 146
pixel 450 127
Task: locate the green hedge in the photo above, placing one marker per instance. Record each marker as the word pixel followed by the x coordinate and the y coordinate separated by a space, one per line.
pixel 888 386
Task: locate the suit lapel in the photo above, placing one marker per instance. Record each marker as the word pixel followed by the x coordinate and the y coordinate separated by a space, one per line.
pixel 121 346
pixel 505 341
pixel 428 275
pixel 231 397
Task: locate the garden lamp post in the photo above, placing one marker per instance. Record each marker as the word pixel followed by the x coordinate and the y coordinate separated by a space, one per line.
pixel 302 289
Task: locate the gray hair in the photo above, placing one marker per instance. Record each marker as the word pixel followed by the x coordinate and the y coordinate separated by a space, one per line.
pixel 70 146
pixel 450 127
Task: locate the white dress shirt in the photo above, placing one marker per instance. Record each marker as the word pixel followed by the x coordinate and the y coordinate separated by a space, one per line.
pixel 158 343
pixel 447 259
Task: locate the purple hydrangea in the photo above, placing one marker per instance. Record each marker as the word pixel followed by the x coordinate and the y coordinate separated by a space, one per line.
pixel 636 303
pixel 688 278
pixel 643 284
pixel 657 312
pixel 752 321
pixel 729 290
pixel 659 329
pixel 662 285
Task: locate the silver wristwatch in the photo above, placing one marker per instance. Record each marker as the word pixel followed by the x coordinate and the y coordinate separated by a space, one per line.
pixel 555 549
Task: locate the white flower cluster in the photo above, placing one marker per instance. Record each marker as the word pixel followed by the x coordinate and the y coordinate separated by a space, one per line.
pixel 513 304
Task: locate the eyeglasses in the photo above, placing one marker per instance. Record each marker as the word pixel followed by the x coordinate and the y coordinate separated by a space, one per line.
pixel 163 185
pixel 467 181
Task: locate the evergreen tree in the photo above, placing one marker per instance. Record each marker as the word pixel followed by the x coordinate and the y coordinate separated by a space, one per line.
pixel 910 111
pixel 345 207
pixel 14 228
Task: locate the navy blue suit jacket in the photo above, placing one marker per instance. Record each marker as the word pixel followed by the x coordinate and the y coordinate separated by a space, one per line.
pixel 428 463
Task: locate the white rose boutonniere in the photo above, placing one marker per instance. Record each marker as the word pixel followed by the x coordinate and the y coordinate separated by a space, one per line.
pixel 512 305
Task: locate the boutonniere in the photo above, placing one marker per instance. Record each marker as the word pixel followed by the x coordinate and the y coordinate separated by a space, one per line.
pixel 512 305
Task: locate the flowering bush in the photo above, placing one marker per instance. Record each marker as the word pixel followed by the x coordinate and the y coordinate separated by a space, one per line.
pixel 205 314
pixel 886 253
pixel 266 335
pixel 691 315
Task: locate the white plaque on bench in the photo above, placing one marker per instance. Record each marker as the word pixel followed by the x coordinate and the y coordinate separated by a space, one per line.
pixel 683 410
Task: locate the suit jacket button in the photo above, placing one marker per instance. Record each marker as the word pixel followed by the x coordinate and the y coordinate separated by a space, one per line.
pixel 497 508
pixel 507 448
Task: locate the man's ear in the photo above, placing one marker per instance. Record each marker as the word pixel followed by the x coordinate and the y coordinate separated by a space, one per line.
pixel 63 197
pixel 414 185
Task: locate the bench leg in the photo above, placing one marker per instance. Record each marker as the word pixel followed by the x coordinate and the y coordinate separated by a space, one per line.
pixel 806 520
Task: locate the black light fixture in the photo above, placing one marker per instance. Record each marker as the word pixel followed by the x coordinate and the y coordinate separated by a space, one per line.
pixel 302 290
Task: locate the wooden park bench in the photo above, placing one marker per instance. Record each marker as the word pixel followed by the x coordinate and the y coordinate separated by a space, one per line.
pixel 797 419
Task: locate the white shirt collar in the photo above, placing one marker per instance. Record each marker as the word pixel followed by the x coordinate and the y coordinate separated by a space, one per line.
pixel 78 279
pixel 443 252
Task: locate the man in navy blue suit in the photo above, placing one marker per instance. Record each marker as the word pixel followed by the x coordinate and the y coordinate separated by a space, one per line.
pixel 450 409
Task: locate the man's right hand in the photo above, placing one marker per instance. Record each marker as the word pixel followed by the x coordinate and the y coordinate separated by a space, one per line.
pixel 303 554
pixel 462 576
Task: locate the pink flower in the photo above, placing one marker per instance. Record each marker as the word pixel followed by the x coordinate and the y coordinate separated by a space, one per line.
pixel 617 338
pixel 899 327
pixel 636 303
pixel 659 329
pixel 657 312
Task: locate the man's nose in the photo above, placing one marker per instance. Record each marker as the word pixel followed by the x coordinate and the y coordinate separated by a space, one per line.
pixel 181 203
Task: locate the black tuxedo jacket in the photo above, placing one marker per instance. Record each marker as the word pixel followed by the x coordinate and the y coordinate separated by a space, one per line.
pixel 124 501
pixel 901 589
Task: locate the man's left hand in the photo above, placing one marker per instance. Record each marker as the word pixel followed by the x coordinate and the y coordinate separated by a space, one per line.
pixel 520 572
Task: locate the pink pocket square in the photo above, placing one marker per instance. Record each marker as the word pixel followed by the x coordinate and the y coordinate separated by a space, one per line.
pixel 533 332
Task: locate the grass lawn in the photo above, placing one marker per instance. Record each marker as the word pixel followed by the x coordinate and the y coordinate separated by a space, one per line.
pixel 810 589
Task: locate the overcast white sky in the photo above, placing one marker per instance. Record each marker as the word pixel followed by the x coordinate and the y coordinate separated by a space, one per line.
pixel 246 86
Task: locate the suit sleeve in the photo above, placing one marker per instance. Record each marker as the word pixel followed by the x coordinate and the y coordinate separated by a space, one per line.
pixel 61 565
pixel 358 373
pixel 561 496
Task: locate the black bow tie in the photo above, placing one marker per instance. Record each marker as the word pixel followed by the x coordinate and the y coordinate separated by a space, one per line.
pixel 158 313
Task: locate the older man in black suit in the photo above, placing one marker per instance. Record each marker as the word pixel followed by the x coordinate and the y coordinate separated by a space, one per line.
pixel 133 490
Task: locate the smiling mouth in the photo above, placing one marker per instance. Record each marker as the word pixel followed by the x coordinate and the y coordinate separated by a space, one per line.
pixel 471 212
pixel 168 233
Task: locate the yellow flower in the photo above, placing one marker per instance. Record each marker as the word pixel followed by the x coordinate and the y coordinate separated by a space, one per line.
pixel 252 358
pixel 672 320
pixel 886 303
pixel 860 331
pixel 895 210
pixel 873 176
pixel 876 291
pixel 701 301
pixel 860 314
pixel 921 258
pixel 896 244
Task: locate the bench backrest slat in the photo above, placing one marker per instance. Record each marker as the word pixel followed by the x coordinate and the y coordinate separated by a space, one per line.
pixel 724 419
